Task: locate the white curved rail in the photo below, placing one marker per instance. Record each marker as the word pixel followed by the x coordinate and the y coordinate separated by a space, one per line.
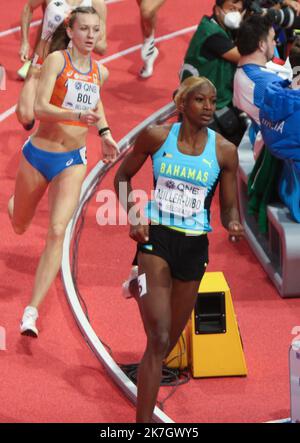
pixel 89 334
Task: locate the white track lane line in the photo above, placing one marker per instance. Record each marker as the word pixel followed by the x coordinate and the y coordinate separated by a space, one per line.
pixel 38 22
pixel 18 28
pixel 117 55
pixel 7 113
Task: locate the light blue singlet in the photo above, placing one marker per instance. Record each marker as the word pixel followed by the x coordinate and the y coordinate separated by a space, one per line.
pixel 184 185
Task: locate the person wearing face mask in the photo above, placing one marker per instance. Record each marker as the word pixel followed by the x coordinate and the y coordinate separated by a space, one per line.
pixel 212 53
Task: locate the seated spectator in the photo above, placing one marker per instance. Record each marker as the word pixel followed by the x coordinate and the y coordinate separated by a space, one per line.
pixel 256 44
pixel 279 117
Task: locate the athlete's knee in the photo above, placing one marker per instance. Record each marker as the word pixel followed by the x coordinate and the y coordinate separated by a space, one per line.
pixel 159 341
pixel 56 232
pixel 147 12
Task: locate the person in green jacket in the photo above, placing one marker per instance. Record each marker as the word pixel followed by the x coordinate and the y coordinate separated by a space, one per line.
pixel 212 52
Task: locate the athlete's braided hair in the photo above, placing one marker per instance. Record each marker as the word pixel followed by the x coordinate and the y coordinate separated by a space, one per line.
pixel 187 86
pixel 60 38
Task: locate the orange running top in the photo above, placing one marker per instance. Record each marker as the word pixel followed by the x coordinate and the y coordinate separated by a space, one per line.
pixel 75 90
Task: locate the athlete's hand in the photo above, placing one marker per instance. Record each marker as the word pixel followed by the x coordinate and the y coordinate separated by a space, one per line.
pixel 236 231
pixel 139 232
pixel 89 117
pixel 110 149
pixel 24 52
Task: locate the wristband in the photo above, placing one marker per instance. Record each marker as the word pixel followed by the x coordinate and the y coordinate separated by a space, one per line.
pixel 103 130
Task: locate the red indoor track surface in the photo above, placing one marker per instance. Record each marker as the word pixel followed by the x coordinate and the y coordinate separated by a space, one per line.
pixel 56 378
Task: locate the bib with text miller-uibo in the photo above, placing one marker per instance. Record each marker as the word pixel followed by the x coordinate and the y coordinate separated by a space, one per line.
pixel 179 197
pixel 81 95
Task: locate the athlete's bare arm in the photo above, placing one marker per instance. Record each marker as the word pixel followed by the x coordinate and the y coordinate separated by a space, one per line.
pixel 109 146
pixel 228 160
pixel 26 17
pixel 147 143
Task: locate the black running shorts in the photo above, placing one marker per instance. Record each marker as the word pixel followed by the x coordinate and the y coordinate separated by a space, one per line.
pixel 187 256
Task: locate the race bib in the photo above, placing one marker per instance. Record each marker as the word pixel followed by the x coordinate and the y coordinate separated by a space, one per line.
pixel 179 197
pixel 81 95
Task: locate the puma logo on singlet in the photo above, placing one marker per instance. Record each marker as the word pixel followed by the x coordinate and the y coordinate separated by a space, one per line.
pixel 209 163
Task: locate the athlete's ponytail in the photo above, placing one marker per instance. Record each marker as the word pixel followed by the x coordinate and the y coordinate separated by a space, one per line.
pixel 60 39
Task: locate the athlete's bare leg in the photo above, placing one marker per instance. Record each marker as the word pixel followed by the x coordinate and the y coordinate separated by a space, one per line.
pixel 148 15
pixel 64 192
pixel 165 309
pixel 29 188
pixel 25 104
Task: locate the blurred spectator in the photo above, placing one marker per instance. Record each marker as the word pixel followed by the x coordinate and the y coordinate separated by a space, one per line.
pixel 212 52
pixel 280 113
pixel 256 44
pixel 279 116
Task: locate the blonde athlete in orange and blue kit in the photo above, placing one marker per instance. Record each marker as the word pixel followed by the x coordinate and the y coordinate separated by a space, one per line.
pixel 54 158
pixel 55 11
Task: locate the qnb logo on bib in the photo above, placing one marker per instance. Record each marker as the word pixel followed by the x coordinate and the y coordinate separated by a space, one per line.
pixel 81 95
pixel 179 197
